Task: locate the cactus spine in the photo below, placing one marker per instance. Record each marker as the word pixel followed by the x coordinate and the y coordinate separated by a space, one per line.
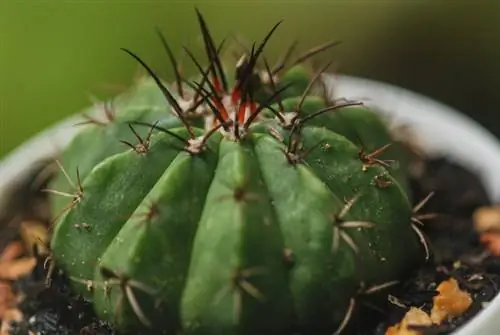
pixel 242 204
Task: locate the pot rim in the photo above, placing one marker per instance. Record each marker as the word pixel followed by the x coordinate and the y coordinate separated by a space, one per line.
pixel 439 129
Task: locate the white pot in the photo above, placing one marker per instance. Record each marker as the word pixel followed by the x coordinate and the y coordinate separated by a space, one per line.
pixel 441 130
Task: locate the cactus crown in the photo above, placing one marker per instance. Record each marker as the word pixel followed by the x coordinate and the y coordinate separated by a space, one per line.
pixel 245 204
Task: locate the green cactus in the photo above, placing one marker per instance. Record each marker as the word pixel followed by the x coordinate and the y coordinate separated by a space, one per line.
pixel 242 204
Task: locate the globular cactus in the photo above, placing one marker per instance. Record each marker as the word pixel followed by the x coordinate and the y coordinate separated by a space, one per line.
pixel 245 201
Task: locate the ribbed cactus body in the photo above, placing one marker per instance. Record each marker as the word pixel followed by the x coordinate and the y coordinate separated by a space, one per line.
pixel 269 226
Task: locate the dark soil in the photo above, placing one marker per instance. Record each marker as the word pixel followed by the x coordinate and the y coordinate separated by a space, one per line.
pixel 455 246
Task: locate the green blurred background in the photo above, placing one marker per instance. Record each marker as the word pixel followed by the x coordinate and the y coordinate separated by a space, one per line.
pixel 55 54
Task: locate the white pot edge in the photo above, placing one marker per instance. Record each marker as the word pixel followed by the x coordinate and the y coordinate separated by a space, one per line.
pixel 440 129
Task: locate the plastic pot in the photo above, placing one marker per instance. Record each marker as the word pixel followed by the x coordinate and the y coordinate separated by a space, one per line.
pixel 440 129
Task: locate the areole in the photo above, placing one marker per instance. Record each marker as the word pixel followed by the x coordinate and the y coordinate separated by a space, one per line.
pixel 439 129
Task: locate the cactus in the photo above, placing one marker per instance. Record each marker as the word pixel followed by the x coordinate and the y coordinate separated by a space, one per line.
pixel 244 201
